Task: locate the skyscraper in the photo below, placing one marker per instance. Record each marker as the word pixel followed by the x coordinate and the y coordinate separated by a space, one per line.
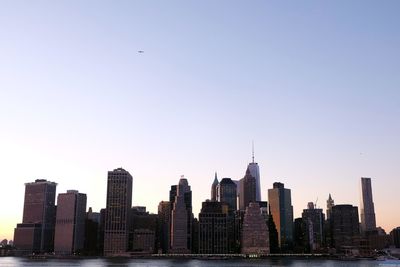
pixel 214 228
pixel 226 192
pixel 255 172
pixel 70 222
pixel 36 232
pixel 367 210
pixel 280 202
pixel 214 188
pixel 345 226
pixel 119 201
pixel 181 218
pixel 248 190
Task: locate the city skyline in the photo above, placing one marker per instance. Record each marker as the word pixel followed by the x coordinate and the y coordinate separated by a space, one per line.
pixel 314 84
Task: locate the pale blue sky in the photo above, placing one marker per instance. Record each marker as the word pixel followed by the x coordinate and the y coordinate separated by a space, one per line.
pixel 315 84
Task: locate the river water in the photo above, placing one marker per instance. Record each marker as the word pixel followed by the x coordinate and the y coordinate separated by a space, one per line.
pixel 16 262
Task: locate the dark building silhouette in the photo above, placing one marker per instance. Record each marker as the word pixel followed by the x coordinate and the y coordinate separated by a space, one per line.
pixel 36 232
pixel 299 236
pixel 345 226
pixel 313 219
pixel 255 235
pixel 92 233
pixel 164 226
pixel 70 223
pixel 273 234
pixel 395 235
pixel 280 202
pixel 119 201
pixel 248 190
pixel 143 229
pixel 214 188
pixel 226 192
pixel 213 228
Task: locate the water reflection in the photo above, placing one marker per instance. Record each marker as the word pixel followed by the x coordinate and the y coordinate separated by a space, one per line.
pixel 282 262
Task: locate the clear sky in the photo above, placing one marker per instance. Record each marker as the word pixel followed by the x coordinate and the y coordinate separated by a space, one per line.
pixel 315 84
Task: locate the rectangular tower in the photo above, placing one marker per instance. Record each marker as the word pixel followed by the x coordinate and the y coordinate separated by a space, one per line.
pixel 36 232
pixel 70 222
pixel 367 211
pixel 280 202
pixel 119 201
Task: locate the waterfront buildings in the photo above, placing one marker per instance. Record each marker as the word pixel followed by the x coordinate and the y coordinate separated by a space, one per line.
pixel 255 236
pixel 70 223
pixel 119 201
pixel 367 210
pixel 36 232
pixel 395 235
pixel 226 192
pixel 281 209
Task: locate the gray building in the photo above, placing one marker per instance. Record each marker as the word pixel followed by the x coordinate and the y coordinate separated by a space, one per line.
pixel 119 201
pixel 226 192
pixel 70 223
pixel 367 210
pixel 280 202
pixel 36 232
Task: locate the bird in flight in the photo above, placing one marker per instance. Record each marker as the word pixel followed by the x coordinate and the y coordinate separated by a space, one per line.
pixel 140 51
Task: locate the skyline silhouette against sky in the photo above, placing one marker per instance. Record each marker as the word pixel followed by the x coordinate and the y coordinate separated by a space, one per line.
pixel 314 84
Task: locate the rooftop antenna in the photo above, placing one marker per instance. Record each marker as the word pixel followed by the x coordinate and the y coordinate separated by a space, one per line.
pixel 252 148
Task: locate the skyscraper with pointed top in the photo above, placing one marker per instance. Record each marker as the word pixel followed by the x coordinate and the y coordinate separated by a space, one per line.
pixel 329 204
pixel 214 188
pixel 255 172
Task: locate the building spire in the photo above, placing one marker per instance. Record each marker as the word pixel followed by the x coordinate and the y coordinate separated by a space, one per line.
pixel 252 149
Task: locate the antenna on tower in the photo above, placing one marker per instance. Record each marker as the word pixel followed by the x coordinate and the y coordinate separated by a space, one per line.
pixel 252 149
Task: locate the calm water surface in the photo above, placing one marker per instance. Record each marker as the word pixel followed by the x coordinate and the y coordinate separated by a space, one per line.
pixel 11 261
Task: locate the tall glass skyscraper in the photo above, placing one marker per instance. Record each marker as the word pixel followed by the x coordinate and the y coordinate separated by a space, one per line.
pixel 367 210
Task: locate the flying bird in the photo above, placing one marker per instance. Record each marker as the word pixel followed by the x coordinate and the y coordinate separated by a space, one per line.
pixel 140 51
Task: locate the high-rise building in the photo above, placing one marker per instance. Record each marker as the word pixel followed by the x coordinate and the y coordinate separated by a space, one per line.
pixel 164 226
pixel 313 219
pixel 395 235
pixel 280 202
pixel 226 192
pixel 329 204
pixel 70 223
pixel 214 188
pixel 345 226
pixel 92 233
pixel 181 218
pixel 248 190
pixel 143 229
pixel 367 211
pixel 119 201
pixel 255 235
pixel 213 228
pixel 255 172
pixel 36 232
